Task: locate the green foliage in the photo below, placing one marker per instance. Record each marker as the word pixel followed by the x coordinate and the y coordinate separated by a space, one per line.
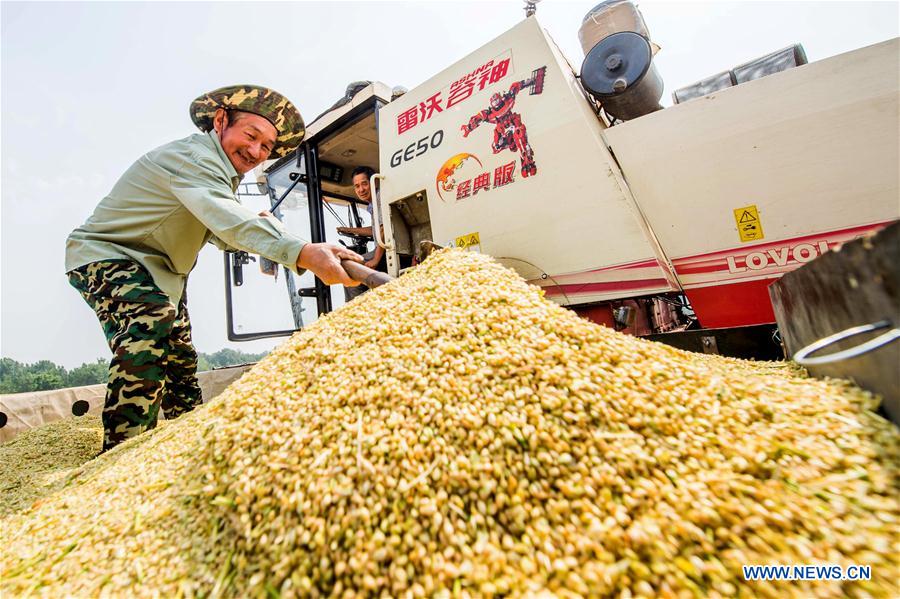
pixel 89 373
pixel 16 377
pixel 39 376
pixel 226 357
pixel 231 357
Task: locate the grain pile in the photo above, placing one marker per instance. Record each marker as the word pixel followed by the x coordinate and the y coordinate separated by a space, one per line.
pixel 455 434
pixel 37 462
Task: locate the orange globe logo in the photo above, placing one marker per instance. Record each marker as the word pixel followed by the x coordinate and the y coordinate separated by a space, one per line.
pixel 445 180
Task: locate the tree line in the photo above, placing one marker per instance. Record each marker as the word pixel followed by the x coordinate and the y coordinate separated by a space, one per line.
pixel 16 377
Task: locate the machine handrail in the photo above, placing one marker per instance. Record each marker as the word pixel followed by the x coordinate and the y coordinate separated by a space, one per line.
pixel 376 213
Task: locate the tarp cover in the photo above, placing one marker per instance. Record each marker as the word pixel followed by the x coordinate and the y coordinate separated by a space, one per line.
pixel 22 411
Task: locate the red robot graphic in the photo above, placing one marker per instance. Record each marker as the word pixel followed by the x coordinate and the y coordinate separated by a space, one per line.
pixel 509 132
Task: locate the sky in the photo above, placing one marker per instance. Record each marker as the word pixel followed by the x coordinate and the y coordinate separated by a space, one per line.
pixel 87 88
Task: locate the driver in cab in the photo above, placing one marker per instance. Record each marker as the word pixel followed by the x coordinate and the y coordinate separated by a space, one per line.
pixel 374 259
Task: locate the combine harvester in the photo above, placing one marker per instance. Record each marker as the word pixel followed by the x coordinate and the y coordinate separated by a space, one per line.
pixel 655 221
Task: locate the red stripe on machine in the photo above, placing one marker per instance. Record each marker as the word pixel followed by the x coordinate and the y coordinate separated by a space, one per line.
pixel 774 257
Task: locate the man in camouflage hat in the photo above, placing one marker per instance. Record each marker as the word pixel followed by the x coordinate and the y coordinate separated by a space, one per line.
pixel 130 260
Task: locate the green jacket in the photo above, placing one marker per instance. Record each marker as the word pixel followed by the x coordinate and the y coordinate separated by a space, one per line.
pixel 167 205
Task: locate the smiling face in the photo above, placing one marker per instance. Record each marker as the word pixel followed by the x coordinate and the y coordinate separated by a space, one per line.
pixel 247 138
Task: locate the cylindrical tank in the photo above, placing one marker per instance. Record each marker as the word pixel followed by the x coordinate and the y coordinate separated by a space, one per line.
pixel 609 17
pixel 618 71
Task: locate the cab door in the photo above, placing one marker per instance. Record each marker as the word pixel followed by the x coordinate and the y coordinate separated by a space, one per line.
pixel 264 299
pixel 312 194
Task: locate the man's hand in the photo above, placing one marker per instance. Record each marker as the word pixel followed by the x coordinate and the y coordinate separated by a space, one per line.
pixel 358 231
pixel 373 264
pixel 324 260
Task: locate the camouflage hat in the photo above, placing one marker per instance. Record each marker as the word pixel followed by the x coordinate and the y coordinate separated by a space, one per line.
pixel 263 101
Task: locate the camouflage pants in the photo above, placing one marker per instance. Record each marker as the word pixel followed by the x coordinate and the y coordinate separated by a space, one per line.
pixel 154 363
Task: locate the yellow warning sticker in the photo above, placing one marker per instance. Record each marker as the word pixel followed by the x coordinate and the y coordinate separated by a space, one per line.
pixel 748 224
pixel 469 241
